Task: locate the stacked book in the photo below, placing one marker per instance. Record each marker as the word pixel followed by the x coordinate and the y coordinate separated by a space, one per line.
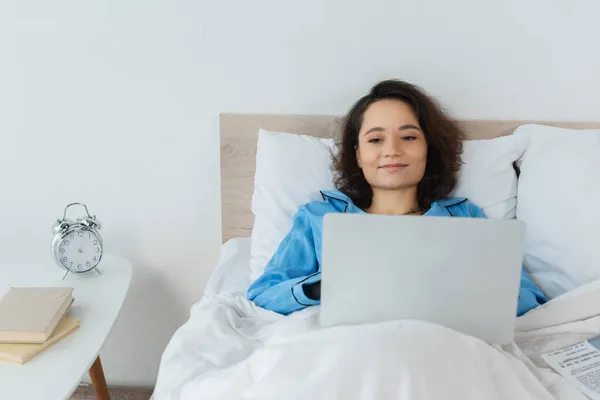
pixel 33 319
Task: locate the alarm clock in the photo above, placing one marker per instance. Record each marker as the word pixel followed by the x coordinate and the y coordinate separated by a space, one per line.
pixel 77 244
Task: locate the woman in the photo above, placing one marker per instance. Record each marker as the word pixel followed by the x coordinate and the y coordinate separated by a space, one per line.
pixel 399 155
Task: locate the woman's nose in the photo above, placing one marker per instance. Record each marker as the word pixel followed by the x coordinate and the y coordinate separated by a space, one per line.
pixel 394 147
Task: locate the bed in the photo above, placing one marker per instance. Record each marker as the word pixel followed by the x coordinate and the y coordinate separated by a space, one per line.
pixel 231 349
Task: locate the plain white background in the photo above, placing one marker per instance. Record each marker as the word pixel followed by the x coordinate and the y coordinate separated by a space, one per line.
pixel 116 104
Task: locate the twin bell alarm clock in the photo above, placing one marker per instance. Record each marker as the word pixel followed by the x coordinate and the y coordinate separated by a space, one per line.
pixel 77 244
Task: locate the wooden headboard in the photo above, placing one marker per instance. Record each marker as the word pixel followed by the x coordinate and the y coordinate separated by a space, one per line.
pixel 239 135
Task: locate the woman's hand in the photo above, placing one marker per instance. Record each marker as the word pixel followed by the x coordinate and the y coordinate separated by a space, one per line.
pixel 312 290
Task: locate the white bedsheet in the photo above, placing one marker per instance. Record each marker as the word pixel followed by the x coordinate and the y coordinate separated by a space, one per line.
pixel 231 349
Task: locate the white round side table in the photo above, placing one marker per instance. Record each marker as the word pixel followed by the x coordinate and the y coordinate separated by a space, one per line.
pixel 56 372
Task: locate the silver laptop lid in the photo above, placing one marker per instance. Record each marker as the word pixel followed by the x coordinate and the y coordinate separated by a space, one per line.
pixel 462 273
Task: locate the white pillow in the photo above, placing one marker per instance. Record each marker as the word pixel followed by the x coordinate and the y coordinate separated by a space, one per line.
pixel 231 275
pixel 558 192
pixel 488 178
pixel 292 169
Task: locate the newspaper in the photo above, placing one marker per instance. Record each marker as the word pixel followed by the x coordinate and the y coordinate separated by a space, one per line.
pixel 580 363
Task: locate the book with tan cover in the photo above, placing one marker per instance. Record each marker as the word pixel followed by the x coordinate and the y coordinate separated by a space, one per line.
pixel 22 352
pixel 31 314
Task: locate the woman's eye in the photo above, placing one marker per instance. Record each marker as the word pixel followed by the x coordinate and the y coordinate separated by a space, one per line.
pixel 409 137
pixel 374 140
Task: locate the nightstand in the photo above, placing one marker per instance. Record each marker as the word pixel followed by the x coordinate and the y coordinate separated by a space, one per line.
pixel 56 372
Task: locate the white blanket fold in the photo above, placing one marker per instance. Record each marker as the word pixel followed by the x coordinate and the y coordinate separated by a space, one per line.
pixel 231 349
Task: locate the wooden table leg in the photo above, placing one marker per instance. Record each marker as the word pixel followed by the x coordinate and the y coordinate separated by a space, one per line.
pixel 98 380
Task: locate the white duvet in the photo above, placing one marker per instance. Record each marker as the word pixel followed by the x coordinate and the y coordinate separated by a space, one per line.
pixel 231 349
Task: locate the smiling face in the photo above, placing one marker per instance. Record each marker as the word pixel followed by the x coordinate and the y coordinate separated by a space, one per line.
pixel 391 150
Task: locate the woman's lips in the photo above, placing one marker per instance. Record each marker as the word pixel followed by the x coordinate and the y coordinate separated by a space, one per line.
pixel 393 167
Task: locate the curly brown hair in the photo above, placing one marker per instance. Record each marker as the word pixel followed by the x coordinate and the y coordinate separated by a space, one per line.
pixel 443 135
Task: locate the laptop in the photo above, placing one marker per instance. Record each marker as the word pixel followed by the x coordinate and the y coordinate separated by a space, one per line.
pixel 462 273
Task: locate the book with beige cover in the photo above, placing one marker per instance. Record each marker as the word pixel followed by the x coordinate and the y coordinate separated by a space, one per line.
pixel 31 314
pixel 22 352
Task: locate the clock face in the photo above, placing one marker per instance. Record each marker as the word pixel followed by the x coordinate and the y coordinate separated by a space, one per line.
pixel 80 251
